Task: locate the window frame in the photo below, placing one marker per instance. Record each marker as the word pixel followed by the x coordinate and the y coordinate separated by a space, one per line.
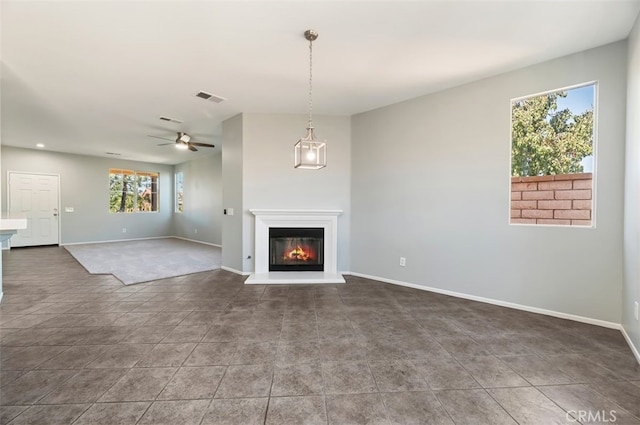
pixel 596 104
pixel 178 200
pixel 138 190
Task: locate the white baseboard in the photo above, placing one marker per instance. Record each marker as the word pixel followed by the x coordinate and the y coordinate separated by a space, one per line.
pixel 229 269
pixel 142 239
pixel 515 306
pixel 117 240
pixel 634 349
pixel 196 241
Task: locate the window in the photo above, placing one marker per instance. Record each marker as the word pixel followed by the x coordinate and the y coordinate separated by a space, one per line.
pixel 133 191
pixel 179 191
pixel 552 157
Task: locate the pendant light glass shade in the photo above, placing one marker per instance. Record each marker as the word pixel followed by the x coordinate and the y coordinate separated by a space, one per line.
pixel 309 152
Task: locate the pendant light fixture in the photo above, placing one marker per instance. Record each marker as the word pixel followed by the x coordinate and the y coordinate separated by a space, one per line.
pixel 310 152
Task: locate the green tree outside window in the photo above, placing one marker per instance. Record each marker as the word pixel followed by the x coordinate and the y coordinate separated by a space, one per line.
pixel 546 140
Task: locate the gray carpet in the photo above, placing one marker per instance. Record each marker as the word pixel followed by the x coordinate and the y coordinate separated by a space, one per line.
pixel 141 261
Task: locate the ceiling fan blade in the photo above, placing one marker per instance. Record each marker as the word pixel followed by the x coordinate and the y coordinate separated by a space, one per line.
pixel 192 148
pixel 161 138
pixel 165 144
pixel 206 136
pixel 204 145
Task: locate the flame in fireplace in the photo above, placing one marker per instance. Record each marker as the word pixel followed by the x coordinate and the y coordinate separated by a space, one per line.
pixel 298 253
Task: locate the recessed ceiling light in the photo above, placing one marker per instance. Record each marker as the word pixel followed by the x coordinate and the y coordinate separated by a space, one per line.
pixel 40 145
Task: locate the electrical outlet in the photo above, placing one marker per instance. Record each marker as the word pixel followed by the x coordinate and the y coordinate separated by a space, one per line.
pixel 195 231
pixel 403 261
pixel 636 311
pixel 124 230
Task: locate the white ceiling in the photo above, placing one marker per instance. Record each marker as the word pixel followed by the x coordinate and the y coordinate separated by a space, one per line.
pixel 91 77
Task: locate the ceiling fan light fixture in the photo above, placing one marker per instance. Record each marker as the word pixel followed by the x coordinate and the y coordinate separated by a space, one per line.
pixel 183 138
pixel 309 152
pixel 183 142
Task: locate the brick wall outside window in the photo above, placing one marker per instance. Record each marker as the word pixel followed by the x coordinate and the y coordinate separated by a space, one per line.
pixel 563 199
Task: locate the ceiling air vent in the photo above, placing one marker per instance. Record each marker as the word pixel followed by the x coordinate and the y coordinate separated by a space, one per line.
pixel 211 97
pixel 171 120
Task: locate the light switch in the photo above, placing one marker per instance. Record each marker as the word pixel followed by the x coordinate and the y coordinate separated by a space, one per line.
pixel 68 209
pixel 229 211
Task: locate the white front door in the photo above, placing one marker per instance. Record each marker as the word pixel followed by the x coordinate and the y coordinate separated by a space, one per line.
pixel 35 196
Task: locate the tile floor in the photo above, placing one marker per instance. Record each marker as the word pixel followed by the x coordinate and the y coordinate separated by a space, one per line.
pixel 206 349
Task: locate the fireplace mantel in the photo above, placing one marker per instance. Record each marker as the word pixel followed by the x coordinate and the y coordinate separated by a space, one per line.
pixel 326 219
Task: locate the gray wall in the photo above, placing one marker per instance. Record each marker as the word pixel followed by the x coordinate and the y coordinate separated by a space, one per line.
pixel 271 182
pixel 631 289
pixel 258 173
pixel 417 165
pixel 202 200
pixel 84 185
pixel 232 166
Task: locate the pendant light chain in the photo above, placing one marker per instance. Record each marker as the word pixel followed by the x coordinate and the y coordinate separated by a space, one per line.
pixel 309 152
pixel 310 82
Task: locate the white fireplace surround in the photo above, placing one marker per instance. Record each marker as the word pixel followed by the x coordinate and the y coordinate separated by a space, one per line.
pixel 325 219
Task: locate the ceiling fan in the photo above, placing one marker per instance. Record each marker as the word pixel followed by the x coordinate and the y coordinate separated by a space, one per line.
pixel 183 141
